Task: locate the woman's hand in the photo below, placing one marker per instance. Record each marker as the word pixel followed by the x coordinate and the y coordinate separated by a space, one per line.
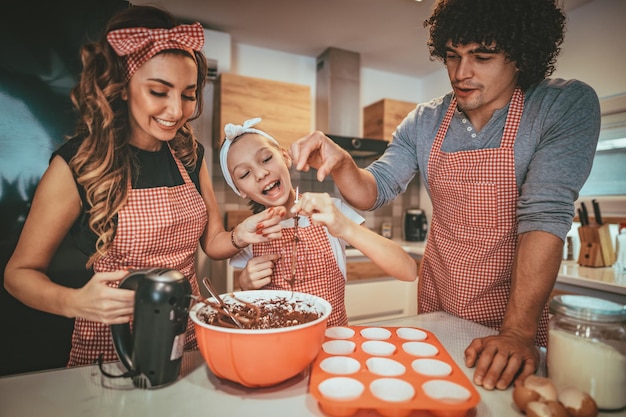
pixel 260 227
pixel 258 272
pixel 98 301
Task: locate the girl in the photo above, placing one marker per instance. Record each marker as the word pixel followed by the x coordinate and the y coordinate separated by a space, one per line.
pixel 310 255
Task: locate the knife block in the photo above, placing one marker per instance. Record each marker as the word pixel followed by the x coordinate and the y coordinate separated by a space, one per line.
pixel 596 248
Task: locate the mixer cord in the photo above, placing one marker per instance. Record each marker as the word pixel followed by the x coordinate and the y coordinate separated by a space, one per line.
pixel 129 374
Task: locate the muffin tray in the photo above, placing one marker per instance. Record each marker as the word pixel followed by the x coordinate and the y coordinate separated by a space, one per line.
pixel 391 370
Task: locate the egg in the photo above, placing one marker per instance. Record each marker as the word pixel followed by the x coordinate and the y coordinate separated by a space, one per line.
pixel 534 388
pixel 542 386
pixel 557 409
pixel 522 396
pixel 545 409
pixel 578 403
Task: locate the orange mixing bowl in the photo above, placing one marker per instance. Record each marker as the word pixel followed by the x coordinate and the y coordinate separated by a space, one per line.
pixel 261 357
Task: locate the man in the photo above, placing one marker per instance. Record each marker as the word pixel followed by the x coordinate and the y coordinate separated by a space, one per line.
pixel 502 156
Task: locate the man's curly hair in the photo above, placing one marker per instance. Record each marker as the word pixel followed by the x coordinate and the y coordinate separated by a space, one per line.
pixel 529 32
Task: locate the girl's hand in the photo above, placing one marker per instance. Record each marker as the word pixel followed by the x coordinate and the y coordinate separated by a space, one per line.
pixel 99 302
pixel 321 210
pixel 258 272
pixel 260 227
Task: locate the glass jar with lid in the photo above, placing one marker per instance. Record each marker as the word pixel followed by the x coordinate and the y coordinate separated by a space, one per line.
pixel 587 348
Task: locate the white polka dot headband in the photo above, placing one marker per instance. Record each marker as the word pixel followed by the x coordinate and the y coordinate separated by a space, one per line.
pixel 232 132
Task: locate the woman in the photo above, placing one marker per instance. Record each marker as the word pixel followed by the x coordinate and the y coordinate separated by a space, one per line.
pixel 130 188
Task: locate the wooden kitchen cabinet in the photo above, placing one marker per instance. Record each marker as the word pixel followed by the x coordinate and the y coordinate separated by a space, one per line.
pixel 381 118
pixel 361 270
pixel 372 295
pixel 284 107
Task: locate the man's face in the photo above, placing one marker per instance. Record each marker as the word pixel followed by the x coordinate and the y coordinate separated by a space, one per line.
pixel 482 78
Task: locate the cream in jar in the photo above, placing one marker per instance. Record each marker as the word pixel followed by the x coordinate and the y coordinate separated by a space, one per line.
pixel 587 348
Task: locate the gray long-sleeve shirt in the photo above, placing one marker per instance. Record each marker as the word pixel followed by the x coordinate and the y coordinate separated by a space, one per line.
pixel 554 150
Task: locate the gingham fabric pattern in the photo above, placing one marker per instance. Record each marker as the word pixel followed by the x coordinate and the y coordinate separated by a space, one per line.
pixel 317 271
pixel 140 44
pixel 468 260
pixel 158 227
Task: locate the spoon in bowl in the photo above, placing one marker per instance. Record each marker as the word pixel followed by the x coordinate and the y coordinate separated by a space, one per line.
pixel 209 286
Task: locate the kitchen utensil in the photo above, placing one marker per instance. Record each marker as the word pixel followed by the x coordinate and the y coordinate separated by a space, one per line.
pixel 596 247
pixel 262 357
pixel 225 309
pixel 294 251
pixel 580 216
pixel 584 220
pixel 394 371
pixel 153 351
pixel 596 212
pixel 620 253
pixel 415 225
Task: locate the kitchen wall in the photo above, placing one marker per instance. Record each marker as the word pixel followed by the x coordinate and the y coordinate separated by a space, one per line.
pixel 38 66
pixel 590 53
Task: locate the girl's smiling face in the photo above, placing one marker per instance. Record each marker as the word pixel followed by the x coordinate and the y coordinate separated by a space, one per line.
pixel 260 170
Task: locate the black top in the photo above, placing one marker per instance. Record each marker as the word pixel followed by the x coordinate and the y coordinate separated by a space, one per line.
pixel 154 169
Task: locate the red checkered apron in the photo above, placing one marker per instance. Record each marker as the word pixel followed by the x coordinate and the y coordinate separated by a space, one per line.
pixel 317 271
pixel 471 244
pixel 158 227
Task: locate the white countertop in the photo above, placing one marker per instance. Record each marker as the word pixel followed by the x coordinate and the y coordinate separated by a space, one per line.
pixel 604 279
pixel 82 391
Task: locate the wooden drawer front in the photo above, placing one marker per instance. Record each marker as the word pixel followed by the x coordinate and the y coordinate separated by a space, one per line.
pixel 363 270
pixel 284 107
pixel 233 217
pixel 360 270
pixel 236 275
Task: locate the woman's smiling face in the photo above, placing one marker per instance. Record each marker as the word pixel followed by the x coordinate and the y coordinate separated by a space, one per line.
pixel 161 97
pixel 260 170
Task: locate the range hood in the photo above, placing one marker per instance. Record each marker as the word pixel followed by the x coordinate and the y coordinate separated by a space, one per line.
pixel 338 103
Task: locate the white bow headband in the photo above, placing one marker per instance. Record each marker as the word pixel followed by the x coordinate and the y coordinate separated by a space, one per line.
pixel 232 132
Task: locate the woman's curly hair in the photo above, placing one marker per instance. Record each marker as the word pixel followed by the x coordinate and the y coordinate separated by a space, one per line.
pixel 104 163
pixel 529 32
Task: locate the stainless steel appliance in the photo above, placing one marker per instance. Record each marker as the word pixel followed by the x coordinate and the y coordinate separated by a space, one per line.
pixel 153 351
pixel 338 103
pixel 415 225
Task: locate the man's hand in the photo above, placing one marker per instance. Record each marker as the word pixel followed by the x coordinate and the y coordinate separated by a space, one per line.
pixel 501 360
pixel 356 185
pixel 318 151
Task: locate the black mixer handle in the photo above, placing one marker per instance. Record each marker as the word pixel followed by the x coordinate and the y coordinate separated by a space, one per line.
pixel 120 333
